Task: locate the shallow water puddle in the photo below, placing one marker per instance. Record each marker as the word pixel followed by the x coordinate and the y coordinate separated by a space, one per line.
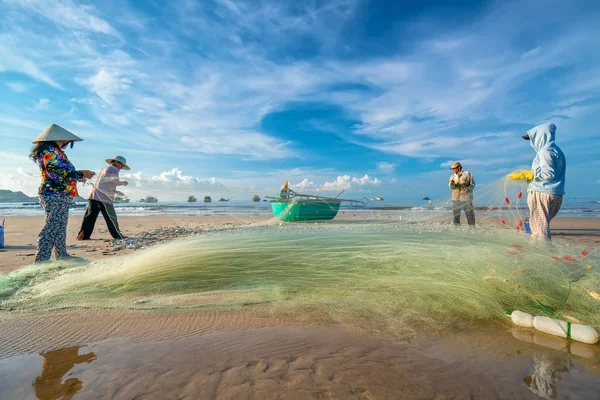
pixel 308 362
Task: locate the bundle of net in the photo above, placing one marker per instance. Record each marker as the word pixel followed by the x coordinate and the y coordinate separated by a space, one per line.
pixel 394 277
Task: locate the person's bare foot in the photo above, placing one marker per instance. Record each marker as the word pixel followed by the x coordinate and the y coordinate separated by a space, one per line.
pixel 81 237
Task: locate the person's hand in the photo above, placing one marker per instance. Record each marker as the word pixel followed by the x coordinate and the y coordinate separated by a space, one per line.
pixel 119 193
pixel 125 183
pixel 452 182
pixel 87 174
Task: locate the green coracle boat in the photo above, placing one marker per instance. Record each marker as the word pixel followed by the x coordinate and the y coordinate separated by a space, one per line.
pixel 290 206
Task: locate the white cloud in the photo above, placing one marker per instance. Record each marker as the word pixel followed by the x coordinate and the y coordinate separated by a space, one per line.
pixel 342 182
pixel 137 177
pixel 11 60
pixel 66 13
pixel 532 52
pixel 345 182
pixel 18 87
pixel 79 122
pixel 305 184
pixel 173 176
pixel 106 84
pixel 18 173
pixel 177 177
pixel 155 130
pixel 365 180
pixel 385 167
pixel 13 182
pixel 252 144
pixel 41 105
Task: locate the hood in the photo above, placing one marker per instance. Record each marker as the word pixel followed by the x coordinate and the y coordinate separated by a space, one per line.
pixel 542 136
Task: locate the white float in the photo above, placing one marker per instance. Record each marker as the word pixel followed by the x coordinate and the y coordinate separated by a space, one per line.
pixel 556 327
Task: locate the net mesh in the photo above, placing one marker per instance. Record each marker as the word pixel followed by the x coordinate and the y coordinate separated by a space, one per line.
pixel 394 277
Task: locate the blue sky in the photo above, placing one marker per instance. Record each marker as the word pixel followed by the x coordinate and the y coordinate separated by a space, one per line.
pixel 375 97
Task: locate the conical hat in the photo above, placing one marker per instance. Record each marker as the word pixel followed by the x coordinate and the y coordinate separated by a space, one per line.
pixel 54 133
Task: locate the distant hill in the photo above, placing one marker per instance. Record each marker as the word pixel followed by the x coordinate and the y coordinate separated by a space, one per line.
pixel 8 196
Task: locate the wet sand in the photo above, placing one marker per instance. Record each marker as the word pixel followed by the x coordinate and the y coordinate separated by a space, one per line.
pixel 225 355
pixel 203 354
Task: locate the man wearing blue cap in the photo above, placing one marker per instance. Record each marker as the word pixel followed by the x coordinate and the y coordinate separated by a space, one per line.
pixel 101 199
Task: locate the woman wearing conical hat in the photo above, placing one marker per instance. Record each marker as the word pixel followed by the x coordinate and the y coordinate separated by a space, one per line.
pixel 57 190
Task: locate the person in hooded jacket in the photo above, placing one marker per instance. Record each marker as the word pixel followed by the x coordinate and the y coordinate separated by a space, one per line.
pixel 547 186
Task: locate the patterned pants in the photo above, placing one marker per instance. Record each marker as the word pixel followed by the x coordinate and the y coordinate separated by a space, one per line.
pixel 54 232
pixel 465 206
pixel 542 207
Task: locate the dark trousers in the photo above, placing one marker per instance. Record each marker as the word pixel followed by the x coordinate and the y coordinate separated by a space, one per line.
pixel 91 214
pixel 465 206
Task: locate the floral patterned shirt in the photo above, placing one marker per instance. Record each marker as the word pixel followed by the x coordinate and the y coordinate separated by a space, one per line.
pixel 59 177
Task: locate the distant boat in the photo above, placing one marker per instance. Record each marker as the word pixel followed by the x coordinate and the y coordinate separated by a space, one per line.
pixel 31 204
pixel 149 199
pixel 377 198
pixel 121 199
pixel 191 199
pixel 426 198
pixel 256 198
pixel 222 199
pixel 207 199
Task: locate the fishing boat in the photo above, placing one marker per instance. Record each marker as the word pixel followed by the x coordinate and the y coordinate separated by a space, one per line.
pixel 296 207
pixel 207 199
pixel 256 198
pixel 222 199
pixel 379 198
pixel 149 199
pixel 121 199
pixel 191 199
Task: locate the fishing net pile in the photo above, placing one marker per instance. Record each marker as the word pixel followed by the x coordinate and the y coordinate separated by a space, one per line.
pixel 388 276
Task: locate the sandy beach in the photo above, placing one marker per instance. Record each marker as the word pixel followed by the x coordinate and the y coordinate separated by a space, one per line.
pixel 21 232
pixel 21 235
pixel 121 353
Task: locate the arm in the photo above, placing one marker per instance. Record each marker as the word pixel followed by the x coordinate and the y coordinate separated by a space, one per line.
pixel 111 176
pixel 471 181
pixel 51 163
pixel 451 183
pixel 545 170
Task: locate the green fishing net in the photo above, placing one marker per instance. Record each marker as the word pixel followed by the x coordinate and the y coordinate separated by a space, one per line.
pixel 390 276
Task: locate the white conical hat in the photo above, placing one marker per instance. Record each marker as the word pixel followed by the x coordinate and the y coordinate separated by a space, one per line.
pixel 54 133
